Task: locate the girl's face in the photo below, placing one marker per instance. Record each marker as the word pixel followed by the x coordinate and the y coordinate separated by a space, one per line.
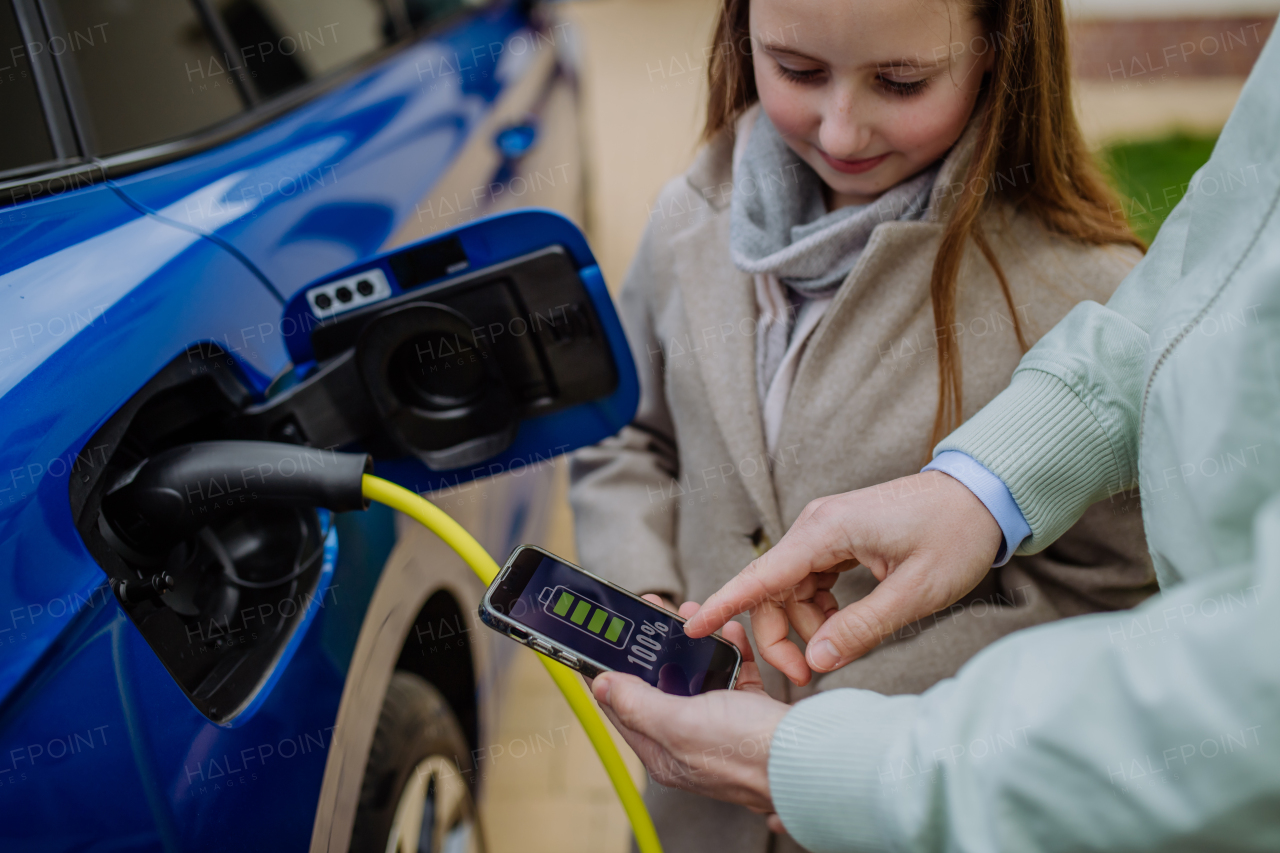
pixel 867 92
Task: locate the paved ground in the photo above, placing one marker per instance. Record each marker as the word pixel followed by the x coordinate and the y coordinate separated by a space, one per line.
pixel 643 88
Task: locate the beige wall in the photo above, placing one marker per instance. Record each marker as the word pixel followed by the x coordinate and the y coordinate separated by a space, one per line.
pixel 643 87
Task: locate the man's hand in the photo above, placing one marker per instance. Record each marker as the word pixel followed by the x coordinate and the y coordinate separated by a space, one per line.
pixel 926 538
pixel 716 744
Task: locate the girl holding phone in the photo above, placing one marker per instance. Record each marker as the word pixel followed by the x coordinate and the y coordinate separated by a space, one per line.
pixel 893 202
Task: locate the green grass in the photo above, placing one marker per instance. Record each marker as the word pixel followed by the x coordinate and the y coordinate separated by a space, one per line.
pixel 1151 177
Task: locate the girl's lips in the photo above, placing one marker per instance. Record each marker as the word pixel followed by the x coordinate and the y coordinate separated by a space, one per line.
pixel 853 167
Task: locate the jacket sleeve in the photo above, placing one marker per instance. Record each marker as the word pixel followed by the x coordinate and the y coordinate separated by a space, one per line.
pixel 625 525
pixel 1149 729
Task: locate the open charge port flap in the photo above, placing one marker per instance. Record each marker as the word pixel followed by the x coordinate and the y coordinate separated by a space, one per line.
pixel 514 342
pixel 447 372
pixel 218 607
pixel 532 313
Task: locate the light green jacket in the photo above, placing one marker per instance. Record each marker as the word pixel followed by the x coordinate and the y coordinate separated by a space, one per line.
pixel 1156 728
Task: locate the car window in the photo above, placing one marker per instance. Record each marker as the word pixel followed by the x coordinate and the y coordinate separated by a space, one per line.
pixel 283 43
pixel 147 70
pixel 423 12
pixel 24 138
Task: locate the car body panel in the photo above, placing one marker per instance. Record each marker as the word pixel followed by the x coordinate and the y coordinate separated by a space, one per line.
pixel 420 564
pixel 97 318
pixel 329 183
pixel 133 272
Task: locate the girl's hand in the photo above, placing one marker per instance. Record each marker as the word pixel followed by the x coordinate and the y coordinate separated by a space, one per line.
pixel 926 538
pixel 749 675
pixel 662 601
pixel 716 744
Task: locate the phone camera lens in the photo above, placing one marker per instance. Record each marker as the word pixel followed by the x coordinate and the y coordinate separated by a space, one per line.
pixel 364 287
pixel 323 301
pixel 343 293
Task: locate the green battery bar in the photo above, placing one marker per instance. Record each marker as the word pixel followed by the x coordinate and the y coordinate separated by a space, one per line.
pixel 585 615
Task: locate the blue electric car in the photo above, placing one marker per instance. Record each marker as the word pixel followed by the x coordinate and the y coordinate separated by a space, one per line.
pixel 304 226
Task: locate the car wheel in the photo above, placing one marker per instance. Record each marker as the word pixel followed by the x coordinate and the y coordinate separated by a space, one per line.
pixel 415 797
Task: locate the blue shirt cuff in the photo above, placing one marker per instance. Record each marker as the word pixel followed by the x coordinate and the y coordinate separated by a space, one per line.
pixel 993 493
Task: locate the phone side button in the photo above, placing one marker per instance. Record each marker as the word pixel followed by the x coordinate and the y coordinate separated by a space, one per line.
pixel 568 660
pixel 540 646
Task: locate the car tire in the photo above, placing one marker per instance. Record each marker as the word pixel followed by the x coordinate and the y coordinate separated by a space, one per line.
pixel 415 795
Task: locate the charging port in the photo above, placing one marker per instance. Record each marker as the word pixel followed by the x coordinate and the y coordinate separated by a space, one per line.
pixel 217 600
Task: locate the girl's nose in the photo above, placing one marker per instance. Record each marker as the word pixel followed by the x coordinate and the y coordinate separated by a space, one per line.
pixel 844 133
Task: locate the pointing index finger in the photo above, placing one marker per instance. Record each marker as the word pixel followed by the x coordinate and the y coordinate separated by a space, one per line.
pixel 766 576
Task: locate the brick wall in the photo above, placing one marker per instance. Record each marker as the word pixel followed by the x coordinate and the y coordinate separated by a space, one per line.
pixel 1135 50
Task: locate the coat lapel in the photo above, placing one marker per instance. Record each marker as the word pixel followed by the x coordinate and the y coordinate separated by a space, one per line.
pixel 904 240
pixel 720 306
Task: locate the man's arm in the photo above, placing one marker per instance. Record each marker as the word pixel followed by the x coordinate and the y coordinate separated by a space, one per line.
pixel 1154 728
pixel 1148 729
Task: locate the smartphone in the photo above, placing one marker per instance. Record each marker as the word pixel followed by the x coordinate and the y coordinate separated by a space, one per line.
pixel 593 626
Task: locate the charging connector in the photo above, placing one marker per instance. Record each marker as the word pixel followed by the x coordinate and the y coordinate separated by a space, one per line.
pixel 168 497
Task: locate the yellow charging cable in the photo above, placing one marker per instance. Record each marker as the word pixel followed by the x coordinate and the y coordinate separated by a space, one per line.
pixel 474 555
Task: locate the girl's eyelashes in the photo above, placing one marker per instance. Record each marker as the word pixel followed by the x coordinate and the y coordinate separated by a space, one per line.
pixel 901 88
pixel 810 75
pixel 813 76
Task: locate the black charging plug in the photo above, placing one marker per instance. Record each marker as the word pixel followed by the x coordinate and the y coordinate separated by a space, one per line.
pixel 167 497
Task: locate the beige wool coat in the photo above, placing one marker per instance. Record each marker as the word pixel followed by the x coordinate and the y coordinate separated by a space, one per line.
pixel 683 498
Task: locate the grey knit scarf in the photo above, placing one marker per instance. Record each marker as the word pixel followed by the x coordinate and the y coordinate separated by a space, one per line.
pixel 779 225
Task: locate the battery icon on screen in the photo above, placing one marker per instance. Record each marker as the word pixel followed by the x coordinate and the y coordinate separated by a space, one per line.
pixel 585 615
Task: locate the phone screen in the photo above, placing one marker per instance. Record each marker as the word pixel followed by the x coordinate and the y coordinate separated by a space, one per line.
pixel 602 623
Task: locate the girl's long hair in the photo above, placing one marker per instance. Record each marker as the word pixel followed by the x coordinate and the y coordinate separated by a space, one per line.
pixel 1028 129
